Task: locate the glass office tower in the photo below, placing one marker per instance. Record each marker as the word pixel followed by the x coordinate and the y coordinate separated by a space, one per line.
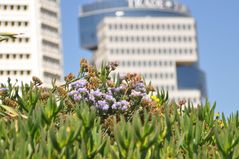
pixel 156 38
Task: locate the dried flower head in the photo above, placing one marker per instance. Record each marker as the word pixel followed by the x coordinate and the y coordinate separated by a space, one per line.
pixel 83 65
pixel 69 104
pixel 91 71
pixel 44 96
pixel 150 88
pixel 113 65
pixel 130 76
pixel 108 124
pixel 146 101
pixel 182 102
pixel 93 83
pixel 110 83
pixel 10 102
pixel 62 92
pixel 3 91
pixel 36 81
pixel 69 77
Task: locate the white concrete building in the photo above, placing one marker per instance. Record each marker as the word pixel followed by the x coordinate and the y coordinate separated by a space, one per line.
pixel 38 51
pixel 152 46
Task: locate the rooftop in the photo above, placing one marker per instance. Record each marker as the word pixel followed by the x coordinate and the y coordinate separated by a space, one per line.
pixel 106 5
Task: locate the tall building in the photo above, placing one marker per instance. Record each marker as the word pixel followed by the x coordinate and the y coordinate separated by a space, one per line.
pixel 38 50
pixel 156 38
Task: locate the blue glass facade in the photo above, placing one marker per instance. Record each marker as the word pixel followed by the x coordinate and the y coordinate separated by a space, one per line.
pixel 92 14
pixel 190 77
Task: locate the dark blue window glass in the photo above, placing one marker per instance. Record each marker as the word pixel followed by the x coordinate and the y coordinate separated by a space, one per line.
pixel 191 77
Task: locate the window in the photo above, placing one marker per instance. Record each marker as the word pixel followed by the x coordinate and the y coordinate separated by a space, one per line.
pixel 13 7
pixel 51 60
pixel 16 40
pixel 14 56
pixel 48 13
pixel 48 28
pixel 50 44
pixel 14 72
pixel 51 76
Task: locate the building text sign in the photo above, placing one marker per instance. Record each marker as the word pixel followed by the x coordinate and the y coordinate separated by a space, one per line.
pixel 149 3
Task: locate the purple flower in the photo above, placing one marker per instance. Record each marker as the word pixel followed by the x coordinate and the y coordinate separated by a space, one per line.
pixel 82 90
pixel 120 88
pixel 122 76
pixel 122 105
pixel 3 89
pixel 124 108
pixel 72 93
pixel 109 91
pixel 115 105
pixel 77 98
pixel 79 84
pixel 139 84
pixel 140 87
pixel 109 97
pixel 146 98
pixel 135 93
pixel 91 98
pixel 103 105
pixel 124 102
pixel 97 93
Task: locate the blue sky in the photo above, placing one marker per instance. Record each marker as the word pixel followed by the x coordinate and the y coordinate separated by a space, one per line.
pixel 218 35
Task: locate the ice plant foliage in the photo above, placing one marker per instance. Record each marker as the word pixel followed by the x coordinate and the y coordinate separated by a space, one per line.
pixel 94 116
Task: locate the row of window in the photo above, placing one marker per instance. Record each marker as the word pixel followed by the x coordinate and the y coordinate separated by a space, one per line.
pixel 150 26
pixel 145 63
pixel 158 75
pixel 52 0
pixel 151 51
pixel 151 39
pixel 48 28
pixel 13 7
pixel 153 75
pixel 48 13
pixel 50 45
pixel 14 23
pixel 166 87
pixel 15 72
pixel 17 40
pixel 51 76
pixel 51 60
pixel 14 56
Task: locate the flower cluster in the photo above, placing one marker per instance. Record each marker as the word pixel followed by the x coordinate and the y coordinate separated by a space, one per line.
pixel 127 94
pixel 118 98
pixel 101 100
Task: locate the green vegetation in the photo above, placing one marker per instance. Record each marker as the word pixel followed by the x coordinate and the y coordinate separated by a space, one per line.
pixel 94 116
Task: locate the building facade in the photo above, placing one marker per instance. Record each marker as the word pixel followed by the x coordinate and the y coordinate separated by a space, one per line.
pixel 156 39
pixel 38 50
